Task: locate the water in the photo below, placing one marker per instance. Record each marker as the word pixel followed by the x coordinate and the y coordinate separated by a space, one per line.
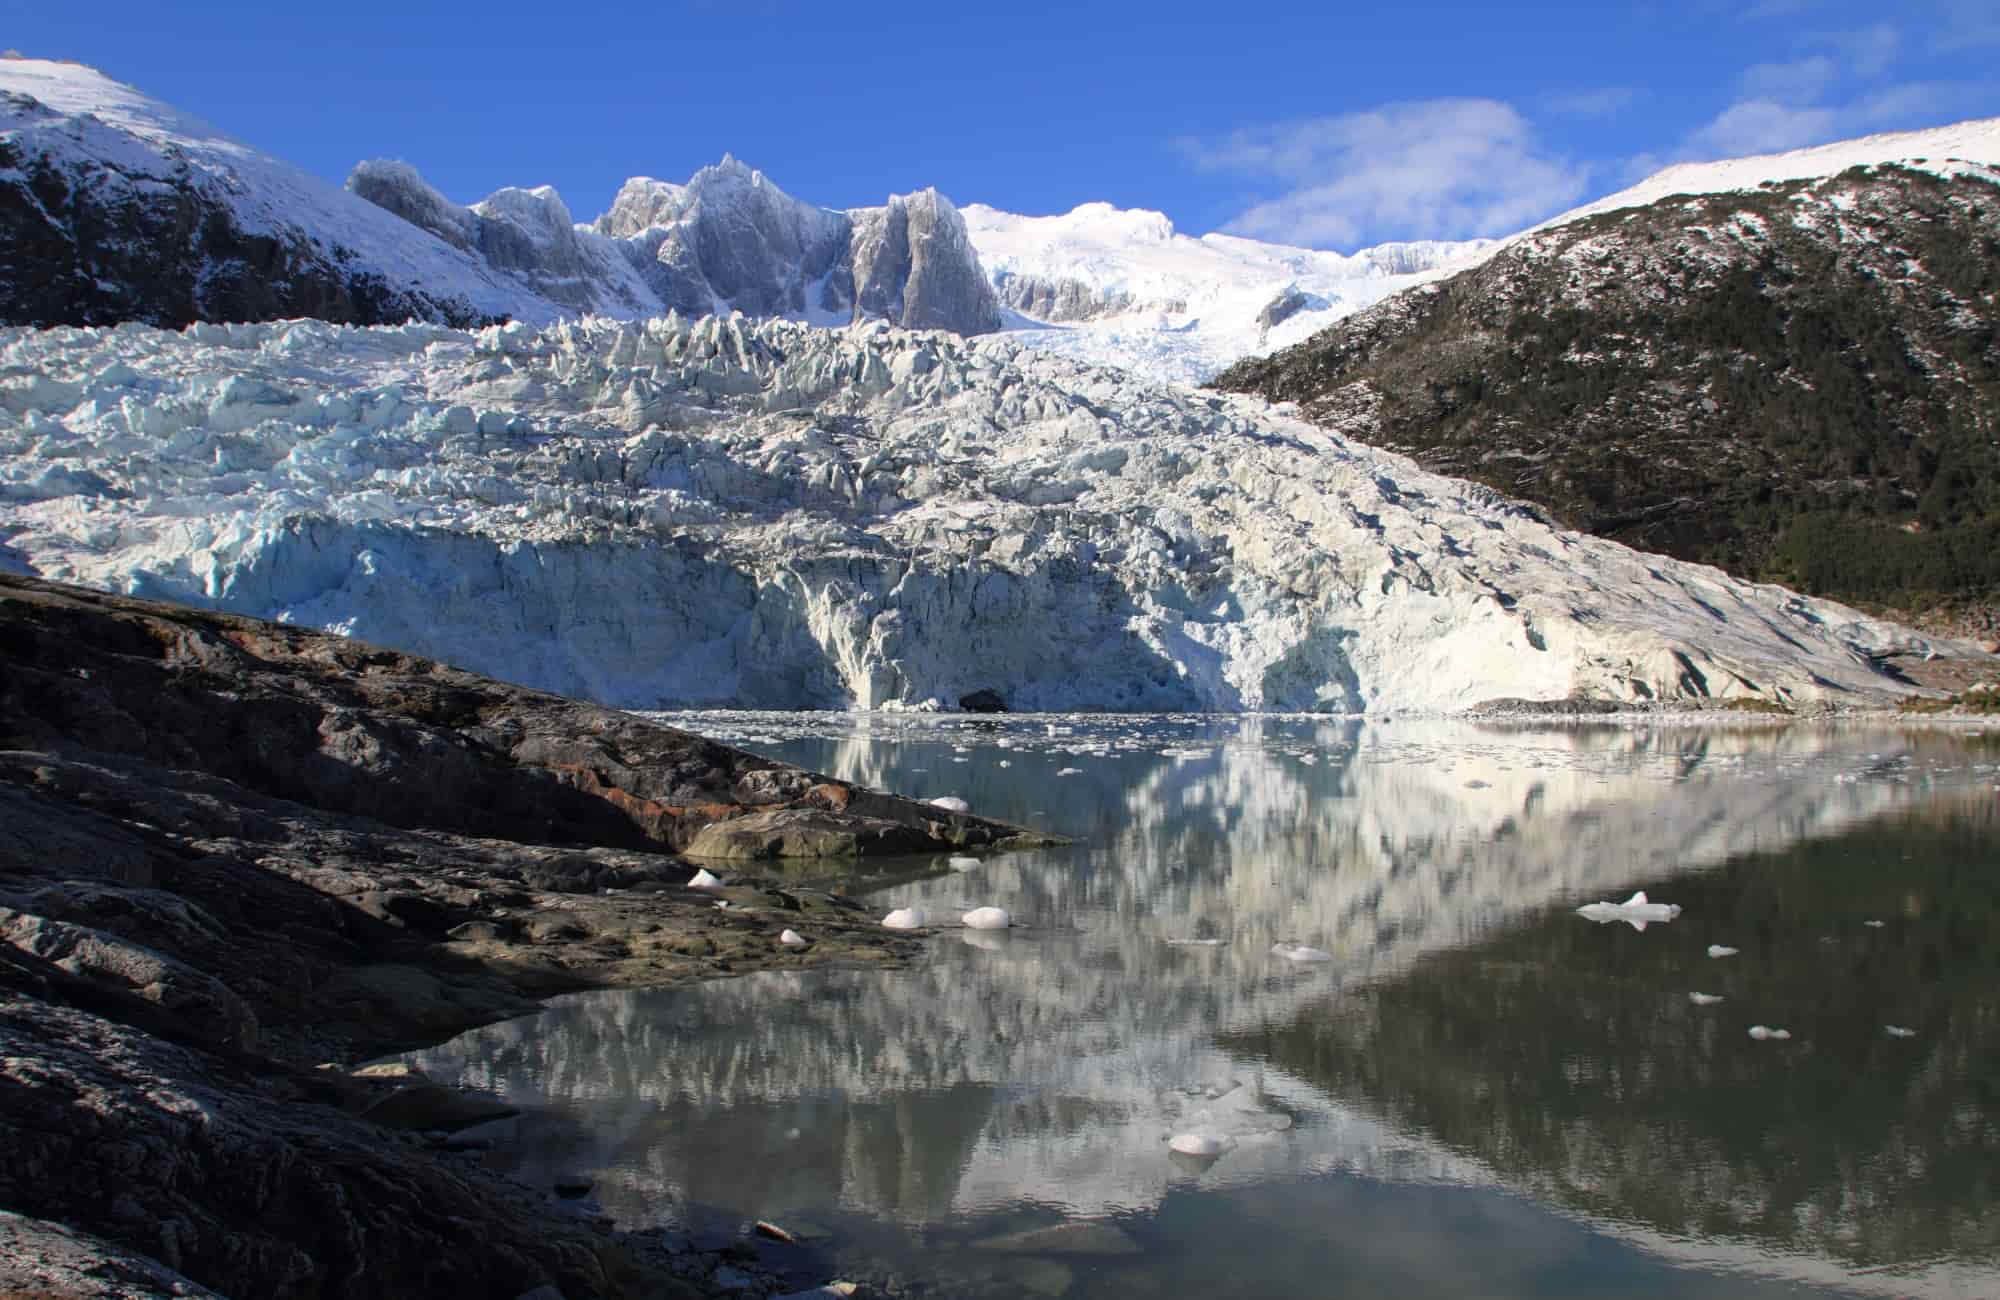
pixel 1483 1093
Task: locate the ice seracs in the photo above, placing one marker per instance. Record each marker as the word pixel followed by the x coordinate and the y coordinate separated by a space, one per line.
pixel 720 512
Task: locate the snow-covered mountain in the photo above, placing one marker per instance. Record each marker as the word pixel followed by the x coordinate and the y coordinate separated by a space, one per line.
pixel 115 207
pixel 770 514
pixel 728 240
pixel 91 160
pixel 1123 287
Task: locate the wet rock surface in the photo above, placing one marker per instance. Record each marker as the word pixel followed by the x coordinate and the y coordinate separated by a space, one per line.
pixel 233 852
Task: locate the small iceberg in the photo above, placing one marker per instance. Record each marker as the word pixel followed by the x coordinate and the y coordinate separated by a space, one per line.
pixel 1704 999
pixel 905 918
pixel 987 918
pixel 1762 1032
pixel 1202 1146
pixel 1634 911
pixel 962 863
pixel 1721 950
pixel 703 879
pixel 951 803
pixel 1897 1031
pixel 1070 771
pixel 1300 952
pixel 792 939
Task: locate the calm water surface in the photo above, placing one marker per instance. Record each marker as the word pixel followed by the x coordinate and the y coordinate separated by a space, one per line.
pixel 1482 1094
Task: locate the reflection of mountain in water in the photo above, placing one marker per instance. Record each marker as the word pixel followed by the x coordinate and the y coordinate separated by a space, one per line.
pixel 1614 1097
pixel 1050 1064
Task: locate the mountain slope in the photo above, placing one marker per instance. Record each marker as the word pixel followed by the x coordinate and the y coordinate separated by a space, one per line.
pixel 767 514
pixel 1123 287
pixel 115 207
pixel 1800 381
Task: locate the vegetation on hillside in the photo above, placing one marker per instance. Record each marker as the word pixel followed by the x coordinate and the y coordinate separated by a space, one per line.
pixel 1799 383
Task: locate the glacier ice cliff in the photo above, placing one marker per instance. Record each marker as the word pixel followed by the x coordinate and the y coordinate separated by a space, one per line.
pixel 666 513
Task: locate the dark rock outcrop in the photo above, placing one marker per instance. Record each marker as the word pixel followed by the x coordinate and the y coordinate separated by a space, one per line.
pixel 231 850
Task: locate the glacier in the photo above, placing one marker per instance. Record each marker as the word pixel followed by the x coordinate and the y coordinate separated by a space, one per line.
pixel 1123 287
pixel 676 513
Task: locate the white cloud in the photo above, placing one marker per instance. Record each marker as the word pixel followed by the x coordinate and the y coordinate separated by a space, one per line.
pixel 1868 51
pixel 1444 168
pixel 1800 81
pixel 1966 24
pixel 1824 97
pixel 1760 126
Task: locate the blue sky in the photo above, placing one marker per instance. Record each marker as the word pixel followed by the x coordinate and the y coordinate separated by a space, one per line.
pixel 1321 124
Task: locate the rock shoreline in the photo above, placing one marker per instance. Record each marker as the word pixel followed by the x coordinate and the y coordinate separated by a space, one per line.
pixel 237 857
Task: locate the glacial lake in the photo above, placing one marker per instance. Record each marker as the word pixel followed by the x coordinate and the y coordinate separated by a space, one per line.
pixel 1482 1093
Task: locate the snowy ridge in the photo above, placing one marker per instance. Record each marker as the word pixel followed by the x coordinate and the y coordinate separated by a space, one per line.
pixel 728 240
pixel 662 513
pixel 94 126
pixel 1123 287
pixel 1941 150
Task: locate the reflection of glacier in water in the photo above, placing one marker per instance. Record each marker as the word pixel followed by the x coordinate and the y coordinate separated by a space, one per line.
pixel 1042 1070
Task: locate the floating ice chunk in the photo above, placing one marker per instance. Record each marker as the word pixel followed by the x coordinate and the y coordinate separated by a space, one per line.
pixel 1762 1032
pixel 962 863
pixel 1205 1146
pixel 1874 925
pixel 1634 911
pixel 1070 771
pixel 1300 952
pixel 987 918
pixel 951 803
pixel 792 939
pixel 1704 999
pixel 1195 943
pixel 905 918
pixel 1720 950
pixel 1897 1031
pixel 702 879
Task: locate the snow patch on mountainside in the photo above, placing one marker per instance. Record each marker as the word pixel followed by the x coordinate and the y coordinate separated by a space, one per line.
pixel 768 514
pixel 1942 150
pixel 1123 287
